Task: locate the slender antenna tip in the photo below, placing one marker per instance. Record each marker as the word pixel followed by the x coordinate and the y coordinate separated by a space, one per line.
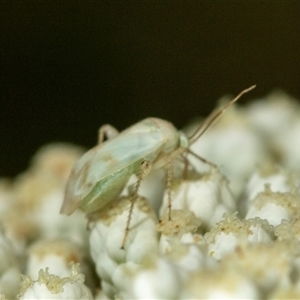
pixel 250 88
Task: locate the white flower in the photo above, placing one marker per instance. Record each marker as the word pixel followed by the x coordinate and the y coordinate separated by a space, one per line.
pixel 49 286
pixel 106 237
pixel 38 194
pixel 182 245
pixel 277 118
pixel 267 264
pixel 159 279
pixel 274 206
pixel 56 160
pixel 279 179
pixel 231 232
pixel 272 115
pixel 206 195
pixel 288 230
pixel 290 144
pixel 54 254
pixel 51 224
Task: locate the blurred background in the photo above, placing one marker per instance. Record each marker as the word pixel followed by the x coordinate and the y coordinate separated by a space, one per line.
pixel 68 67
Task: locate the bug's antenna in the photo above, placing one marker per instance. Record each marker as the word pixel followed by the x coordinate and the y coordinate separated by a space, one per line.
pixel 211 119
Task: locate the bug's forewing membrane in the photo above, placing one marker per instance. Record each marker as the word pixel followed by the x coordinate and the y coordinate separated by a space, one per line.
pixel 104 170
pixel 107 189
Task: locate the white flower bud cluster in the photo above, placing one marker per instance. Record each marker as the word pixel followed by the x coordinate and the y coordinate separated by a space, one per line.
pixel 54 254
pixel 36 199
pixel 34 235
pixel 206 195
pixel 233 231
pixel 115 265
pixel 49 286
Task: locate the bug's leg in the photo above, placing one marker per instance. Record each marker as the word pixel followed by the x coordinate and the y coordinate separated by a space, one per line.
pixel 186 166
pixel 169 185
pixel 143 172
pixel 202 159
pixel 107 131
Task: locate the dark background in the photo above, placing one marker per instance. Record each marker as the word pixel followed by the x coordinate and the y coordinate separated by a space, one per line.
pixel 69 66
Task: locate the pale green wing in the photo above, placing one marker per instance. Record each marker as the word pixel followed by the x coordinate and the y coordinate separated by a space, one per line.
pixel 141 141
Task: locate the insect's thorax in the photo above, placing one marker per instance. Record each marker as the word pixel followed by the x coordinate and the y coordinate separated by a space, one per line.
pixel 172 142
pixel 171 138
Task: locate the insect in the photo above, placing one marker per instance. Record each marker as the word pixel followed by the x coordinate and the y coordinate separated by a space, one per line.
pixel 101 174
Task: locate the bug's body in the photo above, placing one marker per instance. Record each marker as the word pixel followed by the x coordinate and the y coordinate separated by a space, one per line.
pixel 101 174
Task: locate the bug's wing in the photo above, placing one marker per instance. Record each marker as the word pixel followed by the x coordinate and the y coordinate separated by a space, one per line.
pixel 130 147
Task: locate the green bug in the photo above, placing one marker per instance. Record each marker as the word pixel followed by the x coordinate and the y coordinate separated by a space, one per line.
pixel 100 175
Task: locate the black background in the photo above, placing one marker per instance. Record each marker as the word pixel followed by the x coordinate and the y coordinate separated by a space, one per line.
pixel 69 66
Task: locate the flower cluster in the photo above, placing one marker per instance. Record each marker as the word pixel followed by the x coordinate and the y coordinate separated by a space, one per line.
pixel 233 231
